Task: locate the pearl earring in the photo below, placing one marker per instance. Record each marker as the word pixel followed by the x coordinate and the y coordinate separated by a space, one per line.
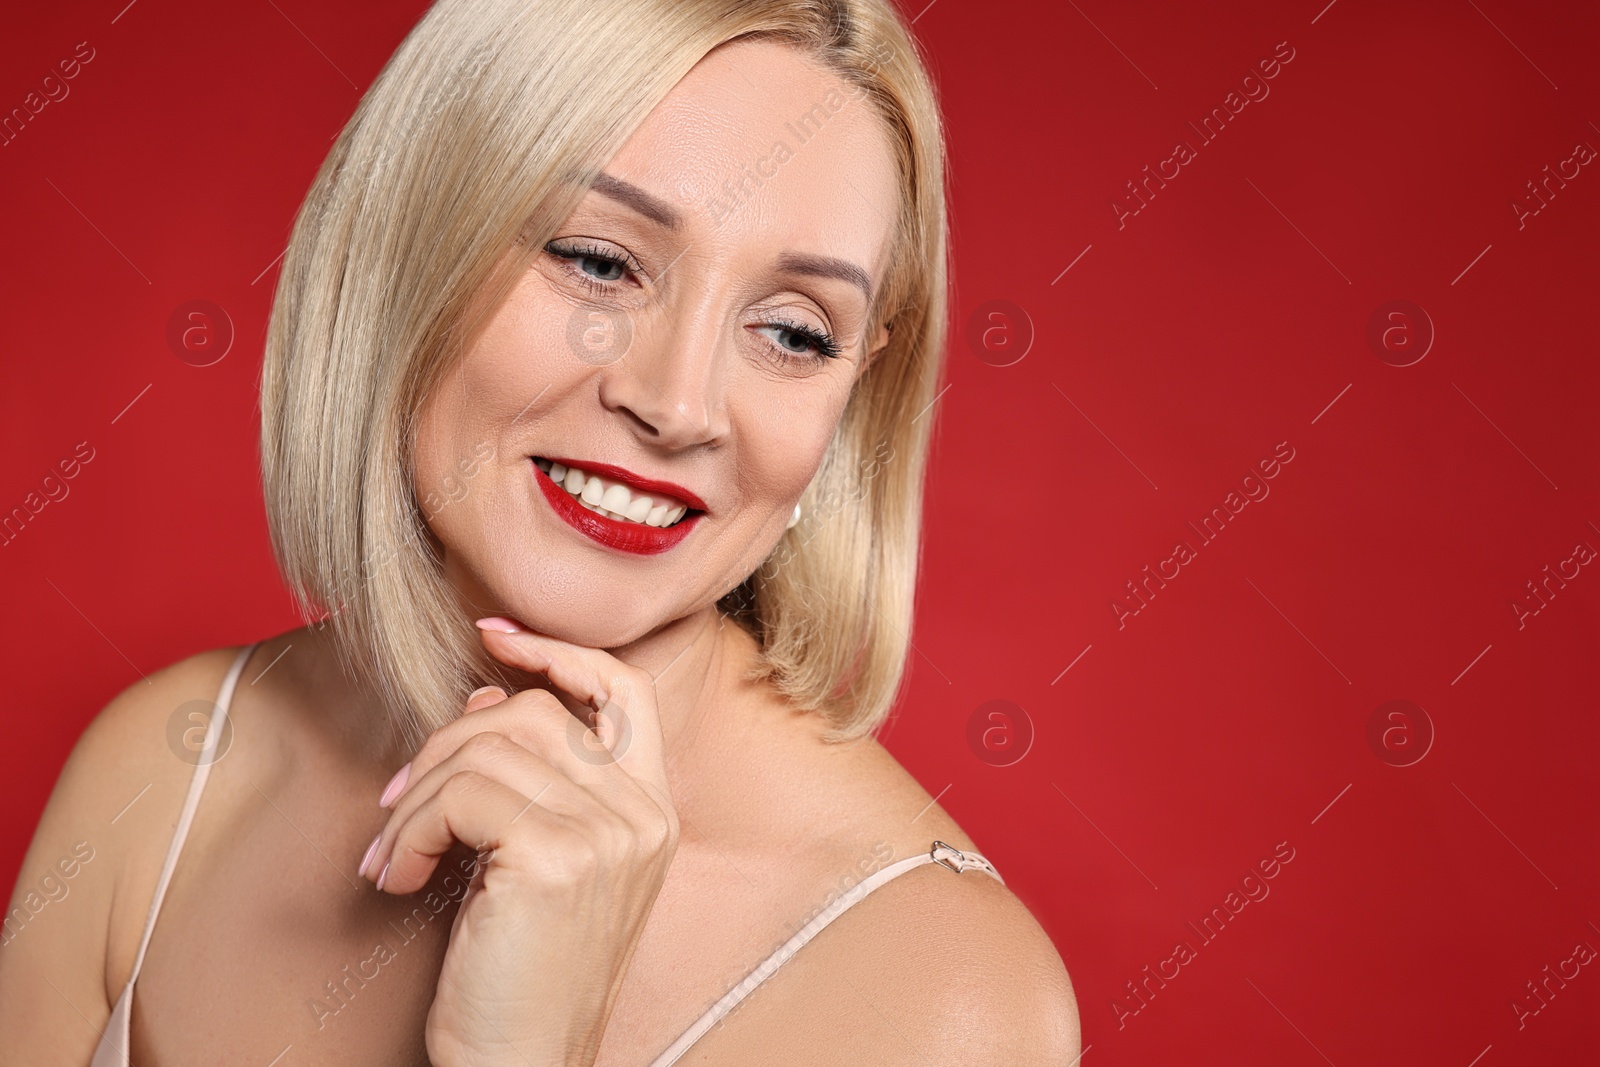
pixel 794 519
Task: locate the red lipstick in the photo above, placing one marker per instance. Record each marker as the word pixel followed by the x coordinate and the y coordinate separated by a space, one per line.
pixel 634 537
pixel 644 485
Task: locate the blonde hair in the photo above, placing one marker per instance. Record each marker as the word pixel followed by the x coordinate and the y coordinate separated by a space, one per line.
pixel 485 128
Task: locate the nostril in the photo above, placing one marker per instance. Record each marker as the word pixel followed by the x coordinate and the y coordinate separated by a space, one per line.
pixel 643 424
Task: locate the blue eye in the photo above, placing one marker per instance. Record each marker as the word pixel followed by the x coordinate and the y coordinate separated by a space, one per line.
pixel 826 347
pixel 590 254
pixel 607 262
pixel 818 341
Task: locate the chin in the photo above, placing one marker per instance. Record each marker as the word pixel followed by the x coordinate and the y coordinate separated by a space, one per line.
pixel 570 600
pixel 583 621
pixel 595 633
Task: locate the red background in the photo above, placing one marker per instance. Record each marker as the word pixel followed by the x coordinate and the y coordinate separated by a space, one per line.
pixel 1229 314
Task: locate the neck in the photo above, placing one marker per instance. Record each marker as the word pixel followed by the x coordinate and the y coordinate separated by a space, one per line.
pixel 697 663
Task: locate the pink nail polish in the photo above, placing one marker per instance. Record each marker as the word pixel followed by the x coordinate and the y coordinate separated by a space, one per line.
pixel 397 783
pixel 361 873
pixel 382 875
pixel 499 625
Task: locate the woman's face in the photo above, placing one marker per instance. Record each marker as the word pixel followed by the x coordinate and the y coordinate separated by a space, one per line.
pixel 699 320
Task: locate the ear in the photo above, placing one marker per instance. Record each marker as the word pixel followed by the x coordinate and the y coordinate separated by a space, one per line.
pixel 878 345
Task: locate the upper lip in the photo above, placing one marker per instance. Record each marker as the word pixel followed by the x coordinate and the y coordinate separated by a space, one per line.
pixel 637 481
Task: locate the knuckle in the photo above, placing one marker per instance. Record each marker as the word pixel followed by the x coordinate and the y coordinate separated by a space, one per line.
pixel 659 812
pixel 650 841
pixel 544 698
pixel 540 714
pixel 624 839
pixel 647 836
pixel 430 753
pixel 524 836
pixel 664 833
pixel 461 785
pixel 571 861
pixel 487 745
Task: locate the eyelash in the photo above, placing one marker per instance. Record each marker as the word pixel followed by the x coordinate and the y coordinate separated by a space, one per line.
pixel 824 344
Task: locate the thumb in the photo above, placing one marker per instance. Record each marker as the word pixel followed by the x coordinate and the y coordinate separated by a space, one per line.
pixel 486 697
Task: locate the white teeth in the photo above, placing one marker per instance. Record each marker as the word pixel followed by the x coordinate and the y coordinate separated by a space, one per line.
pixel 613 499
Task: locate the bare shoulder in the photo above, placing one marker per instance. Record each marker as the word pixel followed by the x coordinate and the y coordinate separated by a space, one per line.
pixel 931 967
pixel 84 880
pixel 977 979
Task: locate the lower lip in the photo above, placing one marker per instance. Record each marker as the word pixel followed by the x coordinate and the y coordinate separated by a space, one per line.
pixel 633 537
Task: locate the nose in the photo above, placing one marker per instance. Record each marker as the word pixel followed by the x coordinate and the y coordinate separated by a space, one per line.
pixel 669 383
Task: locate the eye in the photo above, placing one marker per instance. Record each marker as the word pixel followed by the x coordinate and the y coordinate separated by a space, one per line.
pixel 810 340
pixel 613 266
pixel 609 265
pixel 588 255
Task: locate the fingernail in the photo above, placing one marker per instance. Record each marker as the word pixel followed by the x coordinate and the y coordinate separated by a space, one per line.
pixel 397 783
pixel 476 693
pixel 362 873
pixel 499 625
pixel 382 875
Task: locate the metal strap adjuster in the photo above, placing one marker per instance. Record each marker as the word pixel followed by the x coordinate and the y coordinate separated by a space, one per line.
pixel 961 864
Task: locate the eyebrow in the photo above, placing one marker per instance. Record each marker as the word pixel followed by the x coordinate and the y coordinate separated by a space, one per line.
pixel 659 211
pixel 827 267
pixel 650 207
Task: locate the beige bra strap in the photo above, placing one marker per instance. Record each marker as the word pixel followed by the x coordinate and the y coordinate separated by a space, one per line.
pixel 941 853
pixel 202 771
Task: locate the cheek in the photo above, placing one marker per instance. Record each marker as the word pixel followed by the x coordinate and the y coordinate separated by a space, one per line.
pixel 436 442
pixel 429 464
pixel 532 340
pixel 457 462
pixel 462 442
pixel 781 456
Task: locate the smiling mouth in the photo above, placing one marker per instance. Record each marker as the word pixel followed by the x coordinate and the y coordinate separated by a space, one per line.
pixel 614 499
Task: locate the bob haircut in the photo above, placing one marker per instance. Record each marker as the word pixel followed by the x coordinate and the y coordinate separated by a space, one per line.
pixel 478 139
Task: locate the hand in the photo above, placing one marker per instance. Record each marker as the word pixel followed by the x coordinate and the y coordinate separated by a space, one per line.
pixel 579 835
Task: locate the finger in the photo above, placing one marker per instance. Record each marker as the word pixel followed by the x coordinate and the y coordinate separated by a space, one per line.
pixel 488 756
pixel 622 693
pixel 535 719
pixel 484 813
pixel 486 697
pixel 538 719
pixel 482 697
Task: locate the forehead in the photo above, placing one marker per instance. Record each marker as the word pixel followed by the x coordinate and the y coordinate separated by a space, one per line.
pixel 760 144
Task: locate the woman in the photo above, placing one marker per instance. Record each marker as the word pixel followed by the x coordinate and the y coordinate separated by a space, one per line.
pixel 592 418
